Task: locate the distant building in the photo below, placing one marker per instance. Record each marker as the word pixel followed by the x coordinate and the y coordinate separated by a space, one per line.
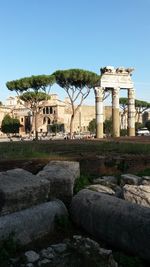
pixel 54 111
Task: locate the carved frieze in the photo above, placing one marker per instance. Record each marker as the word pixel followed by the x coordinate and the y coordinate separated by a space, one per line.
pixel 119 77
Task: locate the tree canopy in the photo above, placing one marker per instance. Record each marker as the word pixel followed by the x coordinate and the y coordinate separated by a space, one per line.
pixel 77 84
pixel 123 101
pixel 36 83
pixel 76 78
pixel 32 90
pixel 140 107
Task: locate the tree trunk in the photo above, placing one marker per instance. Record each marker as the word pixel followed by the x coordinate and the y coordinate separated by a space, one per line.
pixel 71 126
pixel 36 130
pixel 138 120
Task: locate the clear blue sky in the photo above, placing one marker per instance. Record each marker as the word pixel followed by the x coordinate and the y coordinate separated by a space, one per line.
pixel 41 36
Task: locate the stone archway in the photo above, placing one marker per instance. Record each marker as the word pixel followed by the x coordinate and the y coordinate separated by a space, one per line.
pixel 114 80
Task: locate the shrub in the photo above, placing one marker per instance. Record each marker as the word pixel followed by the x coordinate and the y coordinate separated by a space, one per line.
pixel 8 249
pixel 82 182
pixel 127 261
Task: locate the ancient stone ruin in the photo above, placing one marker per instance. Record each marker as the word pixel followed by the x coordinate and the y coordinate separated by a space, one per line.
pixel 114 80
pixel 113 211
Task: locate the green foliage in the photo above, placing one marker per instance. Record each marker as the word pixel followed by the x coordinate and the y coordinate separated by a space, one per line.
pixel 34 97
pixel 8 249
pixel 32 90
pixel 66 150
pixel 76 78
pixel 123 166
pixel 142 104
pixel 145 172
pixel 82 182
pixel 55 128
pixel 127 261
pixel 80 256
pixel 123 132
pixel 140 107
pixel 39 82
pixel 62 223
pixel 138 125
pixel 77 84
pixel 123 101
pixel 10 125
pixel 92 126
pixel 147 124
pixel 108 127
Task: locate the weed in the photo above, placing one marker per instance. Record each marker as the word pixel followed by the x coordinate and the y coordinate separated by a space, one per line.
pixel 8 248
pixel 127 261
pixel 82 182
pixel 123 166
pixel 62 222
pixel 145 172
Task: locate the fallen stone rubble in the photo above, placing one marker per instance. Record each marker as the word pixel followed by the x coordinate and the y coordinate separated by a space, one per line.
pixel 131 188
pixel 29 205
pixel 78 251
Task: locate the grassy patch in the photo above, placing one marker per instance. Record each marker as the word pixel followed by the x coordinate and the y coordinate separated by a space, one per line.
pixel 145 172
pixel 8 249
pixel 36 149
pixel 127 261
pixel 82 182
pixel 63 223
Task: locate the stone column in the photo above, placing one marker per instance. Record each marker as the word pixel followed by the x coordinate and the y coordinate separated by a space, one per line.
pixel 99 111
pixel 131 112
pixel 115 112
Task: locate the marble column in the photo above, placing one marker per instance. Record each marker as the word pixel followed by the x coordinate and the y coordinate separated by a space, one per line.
pixel 99 111
pixel 115 112
pixel 131 112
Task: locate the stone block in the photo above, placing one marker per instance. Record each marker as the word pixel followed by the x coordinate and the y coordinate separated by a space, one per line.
pixel 101 189
pixel 61 175
pixel 111 179
pixel 146 180
pixel 31 224
pixel 137 194
pixel 20 189
pixel 130 179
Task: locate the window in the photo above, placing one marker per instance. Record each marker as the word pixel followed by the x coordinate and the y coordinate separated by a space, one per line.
pixel 44 120
pixel 47 110
pixel 48 121
pixel 51 110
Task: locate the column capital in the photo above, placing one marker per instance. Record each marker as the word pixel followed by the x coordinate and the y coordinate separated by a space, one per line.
pixel 99 92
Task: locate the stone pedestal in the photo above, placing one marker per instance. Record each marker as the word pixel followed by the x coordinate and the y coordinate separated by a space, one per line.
pixel 115 112
pixel 99 111
pixel 131 112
